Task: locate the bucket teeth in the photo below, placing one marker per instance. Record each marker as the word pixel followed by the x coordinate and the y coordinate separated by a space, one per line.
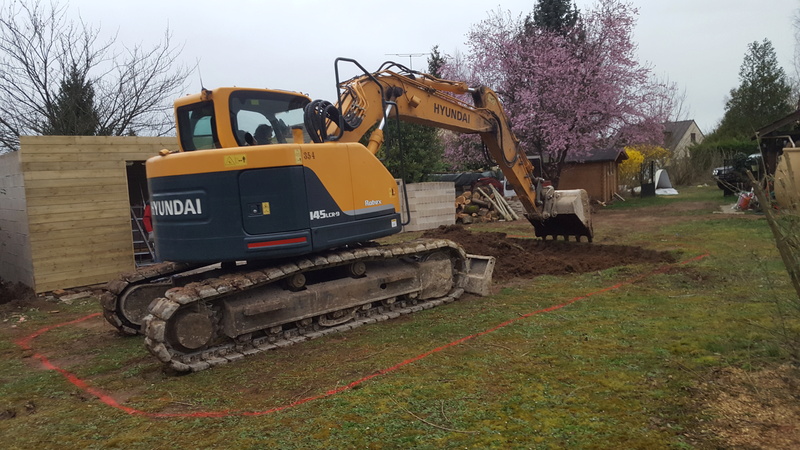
pixel 566 213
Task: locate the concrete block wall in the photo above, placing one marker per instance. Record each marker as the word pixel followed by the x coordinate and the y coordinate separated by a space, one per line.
pixel 431 205
pixel 15 248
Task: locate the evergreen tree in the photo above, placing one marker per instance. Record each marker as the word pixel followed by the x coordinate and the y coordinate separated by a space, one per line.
pixel 436 62
pixel 73 113
pixel 555 16
pixel 763 96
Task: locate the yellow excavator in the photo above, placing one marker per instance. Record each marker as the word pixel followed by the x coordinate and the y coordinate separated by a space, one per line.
pixel 269 211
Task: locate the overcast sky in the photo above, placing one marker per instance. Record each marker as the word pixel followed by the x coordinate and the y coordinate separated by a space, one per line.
pixel 698 44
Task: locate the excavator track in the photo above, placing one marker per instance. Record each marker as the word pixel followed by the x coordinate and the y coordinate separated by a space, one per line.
pixel 125 300
pixel 245 312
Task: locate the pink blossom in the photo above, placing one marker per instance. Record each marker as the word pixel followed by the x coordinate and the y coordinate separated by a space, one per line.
pixel 567 95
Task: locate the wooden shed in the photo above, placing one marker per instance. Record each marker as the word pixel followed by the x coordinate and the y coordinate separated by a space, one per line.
pixel 775 136
pixel 597 173
pixel 65 208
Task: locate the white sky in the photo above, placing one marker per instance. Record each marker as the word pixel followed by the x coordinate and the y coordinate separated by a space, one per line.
pixel 292 44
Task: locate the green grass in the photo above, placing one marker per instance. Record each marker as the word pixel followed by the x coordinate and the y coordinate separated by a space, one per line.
pixel 616 369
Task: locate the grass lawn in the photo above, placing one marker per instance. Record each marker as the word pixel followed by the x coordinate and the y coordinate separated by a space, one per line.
pixel 628 367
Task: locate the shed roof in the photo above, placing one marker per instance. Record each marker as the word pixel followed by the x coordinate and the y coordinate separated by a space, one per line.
pixel 599 155
pixel 771 129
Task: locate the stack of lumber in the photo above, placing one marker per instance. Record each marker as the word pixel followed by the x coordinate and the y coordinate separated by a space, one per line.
pixel 484 204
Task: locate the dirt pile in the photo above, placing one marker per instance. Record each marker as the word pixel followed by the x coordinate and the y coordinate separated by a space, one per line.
pixel 14 292
pixel 527 258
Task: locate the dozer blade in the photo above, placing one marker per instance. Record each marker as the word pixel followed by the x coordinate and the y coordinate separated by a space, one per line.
pixel 479 274
pixel 565 213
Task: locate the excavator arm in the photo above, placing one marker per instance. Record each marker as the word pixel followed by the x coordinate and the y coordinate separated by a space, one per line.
pixel 420 98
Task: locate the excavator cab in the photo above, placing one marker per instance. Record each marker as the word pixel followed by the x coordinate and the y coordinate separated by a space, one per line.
pixel 238 118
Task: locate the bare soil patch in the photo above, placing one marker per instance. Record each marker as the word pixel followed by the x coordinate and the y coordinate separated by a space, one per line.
pixel 527 258
pixel 758 409
pixel 610 221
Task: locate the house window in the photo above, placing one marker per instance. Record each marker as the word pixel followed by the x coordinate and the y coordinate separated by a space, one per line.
pixel 693 137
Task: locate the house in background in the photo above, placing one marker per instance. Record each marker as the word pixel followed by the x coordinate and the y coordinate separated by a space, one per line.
pixel 679 136
pixel 597 173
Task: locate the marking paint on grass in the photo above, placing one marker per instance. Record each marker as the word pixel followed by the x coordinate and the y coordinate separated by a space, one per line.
pixel 26 344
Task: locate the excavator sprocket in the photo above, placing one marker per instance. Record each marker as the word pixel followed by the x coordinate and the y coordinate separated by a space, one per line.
pixel 125 300
pixel 238 314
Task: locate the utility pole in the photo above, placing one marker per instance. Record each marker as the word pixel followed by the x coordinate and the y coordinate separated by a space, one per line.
pixel 410 55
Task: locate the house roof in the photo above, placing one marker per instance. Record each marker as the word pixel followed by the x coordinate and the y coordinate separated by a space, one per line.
pixel 674 132
pixel 599 155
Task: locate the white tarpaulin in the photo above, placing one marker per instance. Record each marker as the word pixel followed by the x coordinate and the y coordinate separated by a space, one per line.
pixel 663 185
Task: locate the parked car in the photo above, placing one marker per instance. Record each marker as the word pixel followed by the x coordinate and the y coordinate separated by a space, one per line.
pixel 733 175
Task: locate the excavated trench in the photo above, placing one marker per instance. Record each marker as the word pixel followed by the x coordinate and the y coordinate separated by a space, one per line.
pixel 527 258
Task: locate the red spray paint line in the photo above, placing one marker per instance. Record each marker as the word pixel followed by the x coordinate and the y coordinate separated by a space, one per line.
pixel 25 343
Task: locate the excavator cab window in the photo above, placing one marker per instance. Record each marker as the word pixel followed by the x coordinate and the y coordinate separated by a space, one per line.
pixel 197 127
pixel 278 112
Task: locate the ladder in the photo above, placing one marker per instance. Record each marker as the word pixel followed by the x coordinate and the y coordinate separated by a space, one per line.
pixel 143 251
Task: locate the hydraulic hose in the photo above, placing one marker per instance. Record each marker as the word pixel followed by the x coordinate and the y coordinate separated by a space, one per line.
pixel 315 116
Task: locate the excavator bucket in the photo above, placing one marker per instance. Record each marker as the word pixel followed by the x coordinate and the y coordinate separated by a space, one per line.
pixel 567 214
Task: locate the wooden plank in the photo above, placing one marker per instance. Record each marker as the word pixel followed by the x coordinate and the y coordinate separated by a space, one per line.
pixel 90 263
pixel 35 141
pixel 78 223
pixel 70 216
pixel 146 150
pixel 49 201
pixel 68 280
pixel 64 238
pixel 68 249
pixel 142 156
pixel 88 208
pixel 109 267
pixel 65 193
pixel 88 231
pixel 57 263
pixel 75 174
pixel 74 182
pixel 103 273
pixel 69 166
pixel 58 157
pixel 49 259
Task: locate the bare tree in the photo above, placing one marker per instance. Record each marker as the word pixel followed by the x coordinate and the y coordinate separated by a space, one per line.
pixel 678 109
pixel 41 49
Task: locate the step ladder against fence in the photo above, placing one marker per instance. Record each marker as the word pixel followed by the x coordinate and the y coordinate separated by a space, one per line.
pixel 143 250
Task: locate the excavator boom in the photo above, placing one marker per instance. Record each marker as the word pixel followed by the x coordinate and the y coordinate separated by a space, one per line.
pixel 421 98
